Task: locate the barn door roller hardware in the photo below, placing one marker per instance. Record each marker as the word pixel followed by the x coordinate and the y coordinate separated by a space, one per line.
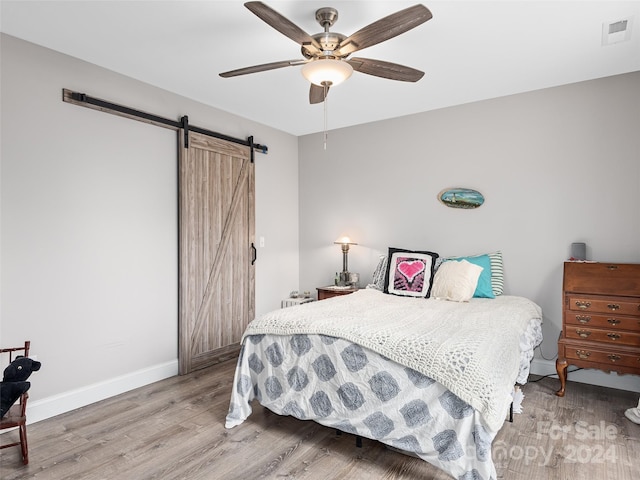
pixel 85 100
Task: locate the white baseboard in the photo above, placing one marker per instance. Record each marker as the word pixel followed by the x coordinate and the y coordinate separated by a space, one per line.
pixel 590 376
pixel 67 401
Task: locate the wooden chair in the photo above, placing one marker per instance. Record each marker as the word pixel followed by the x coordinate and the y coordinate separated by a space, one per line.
pixel 17 416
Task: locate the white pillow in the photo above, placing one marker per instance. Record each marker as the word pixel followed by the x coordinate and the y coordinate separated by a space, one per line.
pixel 456 281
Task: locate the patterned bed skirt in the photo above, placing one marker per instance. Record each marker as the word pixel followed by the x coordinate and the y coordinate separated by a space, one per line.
pixel 353 389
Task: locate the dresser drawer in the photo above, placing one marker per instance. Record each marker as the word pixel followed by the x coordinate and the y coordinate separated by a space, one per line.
pixel 612 358
pixel 618 305
pixel 614 322
pixel 614 337
pixel 602 278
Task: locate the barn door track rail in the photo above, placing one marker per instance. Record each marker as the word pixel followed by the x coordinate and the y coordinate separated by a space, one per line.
pixel 84 100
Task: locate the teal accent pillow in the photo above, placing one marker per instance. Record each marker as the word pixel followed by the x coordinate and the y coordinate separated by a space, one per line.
pixel 484 288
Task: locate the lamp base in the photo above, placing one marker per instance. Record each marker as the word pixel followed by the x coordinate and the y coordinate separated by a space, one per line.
pixel 348 279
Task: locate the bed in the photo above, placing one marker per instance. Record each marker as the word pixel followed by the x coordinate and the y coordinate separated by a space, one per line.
pixel 430 377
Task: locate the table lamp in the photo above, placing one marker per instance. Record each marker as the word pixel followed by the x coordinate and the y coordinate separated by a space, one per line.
pixel 345 242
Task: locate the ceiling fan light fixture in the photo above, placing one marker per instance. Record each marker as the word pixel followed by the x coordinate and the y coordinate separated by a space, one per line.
pixel 327 71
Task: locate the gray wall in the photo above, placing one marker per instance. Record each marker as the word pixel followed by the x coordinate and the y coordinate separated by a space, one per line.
pixel 89 225
pixel 88 207
pixel 556 166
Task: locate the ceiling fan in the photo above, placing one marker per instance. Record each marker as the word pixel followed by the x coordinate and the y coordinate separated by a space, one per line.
pixel 325 61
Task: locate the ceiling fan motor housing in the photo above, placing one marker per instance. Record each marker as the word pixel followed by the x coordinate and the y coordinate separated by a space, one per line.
pixel 329 41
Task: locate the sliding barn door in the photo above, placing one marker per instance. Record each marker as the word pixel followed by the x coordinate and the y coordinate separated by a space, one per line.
pixel 216 290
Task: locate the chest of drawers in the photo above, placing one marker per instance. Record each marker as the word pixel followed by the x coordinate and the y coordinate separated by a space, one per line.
pixel 600 319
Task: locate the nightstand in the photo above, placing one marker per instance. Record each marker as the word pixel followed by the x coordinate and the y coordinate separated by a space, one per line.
pixel 331 291
pixel 290 302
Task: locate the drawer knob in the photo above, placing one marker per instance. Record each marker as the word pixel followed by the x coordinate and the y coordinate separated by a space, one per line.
pixel 583 333
pixel 612 267
pixel 583 354
pixel 614 358
pixel 583 318
pixel 613 321
pixel 613 306
pixel 613 336
pixel 583 305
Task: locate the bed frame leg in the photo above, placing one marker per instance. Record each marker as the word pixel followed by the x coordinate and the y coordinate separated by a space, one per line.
pixel 358 438
pixel 511 412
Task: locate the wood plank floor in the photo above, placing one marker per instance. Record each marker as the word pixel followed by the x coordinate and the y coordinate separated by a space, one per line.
pixel 174 429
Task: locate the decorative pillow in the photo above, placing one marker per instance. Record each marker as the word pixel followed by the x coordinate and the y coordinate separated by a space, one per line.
pixel 483 289
pixel 456 281
pixel 409 273
pixel 497 276
pixel 380 273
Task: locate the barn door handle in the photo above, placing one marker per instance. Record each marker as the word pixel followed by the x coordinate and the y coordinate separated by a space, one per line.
pixel 254 252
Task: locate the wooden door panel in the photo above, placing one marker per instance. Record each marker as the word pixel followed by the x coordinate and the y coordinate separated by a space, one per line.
pixel 216 234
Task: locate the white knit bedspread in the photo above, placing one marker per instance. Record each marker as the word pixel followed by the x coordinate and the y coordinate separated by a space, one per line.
pixel 470 348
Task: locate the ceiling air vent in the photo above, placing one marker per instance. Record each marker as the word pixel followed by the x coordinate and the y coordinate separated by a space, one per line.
pixel 616 32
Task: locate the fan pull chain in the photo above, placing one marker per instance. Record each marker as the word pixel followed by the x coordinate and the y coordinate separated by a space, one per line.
pixel 326 90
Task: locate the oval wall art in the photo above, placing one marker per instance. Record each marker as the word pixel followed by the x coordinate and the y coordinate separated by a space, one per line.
pixel 461 198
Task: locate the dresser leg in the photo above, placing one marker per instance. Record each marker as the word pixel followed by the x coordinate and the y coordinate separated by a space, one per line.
pixel 561 368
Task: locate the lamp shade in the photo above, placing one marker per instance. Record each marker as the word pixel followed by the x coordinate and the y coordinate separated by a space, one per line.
pixel 327 70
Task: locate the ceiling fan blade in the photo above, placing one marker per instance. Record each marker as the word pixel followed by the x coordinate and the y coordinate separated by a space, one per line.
pixel 385 28
pixel 262 68
pixel 317 94
pixel 283 25
pixel 379 68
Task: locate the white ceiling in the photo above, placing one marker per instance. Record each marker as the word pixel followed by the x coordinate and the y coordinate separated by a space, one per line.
pixel 470 51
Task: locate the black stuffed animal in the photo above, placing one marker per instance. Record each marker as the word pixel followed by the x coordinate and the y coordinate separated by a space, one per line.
pixel 14 381
pixel 9 393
